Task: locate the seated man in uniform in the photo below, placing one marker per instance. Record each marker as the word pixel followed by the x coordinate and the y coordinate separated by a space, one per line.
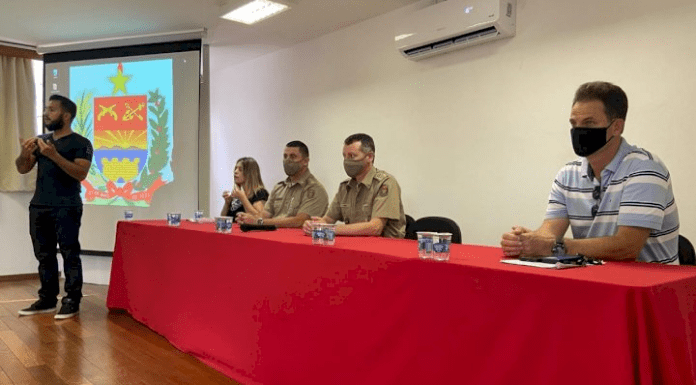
pixel 295 199
pixel 369 202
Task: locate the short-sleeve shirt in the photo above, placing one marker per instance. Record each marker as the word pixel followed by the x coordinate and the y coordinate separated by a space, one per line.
pixel 236 205
pixel 377 196
pixel 289 198
pixel 636 190
pixel 54 187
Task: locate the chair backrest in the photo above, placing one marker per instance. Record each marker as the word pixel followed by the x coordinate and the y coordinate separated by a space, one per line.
pixel 686 252
pixel 440 225
pixel 409 223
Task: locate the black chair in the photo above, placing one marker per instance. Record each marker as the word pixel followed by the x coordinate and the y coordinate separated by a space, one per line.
pixel 409 223
pixel 686 252
pixel 438 224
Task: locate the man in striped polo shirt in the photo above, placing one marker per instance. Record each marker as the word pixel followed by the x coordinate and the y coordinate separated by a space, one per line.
pixel 617 198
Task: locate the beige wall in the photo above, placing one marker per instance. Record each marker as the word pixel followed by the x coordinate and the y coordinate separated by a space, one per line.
pixel 476 135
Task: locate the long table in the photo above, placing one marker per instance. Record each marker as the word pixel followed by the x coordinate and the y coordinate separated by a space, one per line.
pixel 271 308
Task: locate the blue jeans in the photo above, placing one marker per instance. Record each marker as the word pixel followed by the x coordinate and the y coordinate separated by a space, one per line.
pixel 51 226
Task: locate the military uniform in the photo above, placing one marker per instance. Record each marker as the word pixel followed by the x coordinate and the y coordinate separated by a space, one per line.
pixel 377 196
pixel 288 198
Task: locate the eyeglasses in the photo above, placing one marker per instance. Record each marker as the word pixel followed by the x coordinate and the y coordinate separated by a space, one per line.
pixel 582 260
pixel 596 194
pixel 593 261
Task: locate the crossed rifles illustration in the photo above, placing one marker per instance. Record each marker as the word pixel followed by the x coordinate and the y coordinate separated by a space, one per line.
pixel 129 115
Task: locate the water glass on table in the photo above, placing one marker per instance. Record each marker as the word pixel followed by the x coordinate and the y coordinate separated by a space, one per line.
pixel 441 248
pixel 425 244
pixel 318 234
pixel 173 219
pixel 329 233
pixel 223 224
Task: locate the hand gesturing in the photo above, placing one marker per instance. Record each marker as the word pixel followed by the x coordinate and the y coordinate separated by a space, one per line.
pixel 46 149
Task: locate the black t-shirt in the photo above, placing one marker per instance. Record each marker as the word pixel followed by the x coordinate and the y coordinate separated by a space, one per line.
pixel 236 205
pixel 54 187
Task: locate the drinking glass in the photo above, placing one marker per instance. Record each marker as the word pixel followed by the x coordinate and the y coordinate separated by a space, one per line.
pixel 173 219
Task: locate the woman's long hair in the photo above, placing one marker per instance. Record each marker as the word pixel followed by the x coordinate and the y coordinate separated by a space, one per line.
pixel 252 175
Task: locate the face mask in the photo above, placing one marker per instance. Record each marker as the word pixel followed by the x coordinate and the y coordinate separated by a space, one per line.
pixel 291 168
pixel 586 141
pixel 353 167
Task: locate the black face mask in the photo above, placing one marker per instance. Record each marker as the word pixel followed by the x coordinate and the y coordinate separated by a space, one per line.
pixel 586 141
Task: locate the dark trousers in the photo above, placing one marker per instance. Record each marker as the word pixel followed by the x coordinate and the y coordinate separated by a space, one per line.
pixel 51 226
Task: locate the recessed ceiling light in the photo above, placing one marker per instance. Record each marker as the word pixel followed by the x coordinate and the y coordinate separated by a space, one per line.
pixel 255 11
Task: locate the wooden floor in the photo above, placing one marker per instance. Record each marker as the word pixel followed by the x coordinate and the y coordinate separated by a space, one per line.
pixel 96 347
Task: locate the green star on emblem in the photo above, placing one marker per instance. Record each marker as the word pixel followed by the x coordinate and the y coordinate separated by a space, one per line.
pixel 119 82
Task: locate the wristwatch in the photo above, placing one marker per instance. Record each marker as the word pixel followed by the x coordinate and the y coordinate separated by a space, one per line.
pixel 558 248
pixel 259 221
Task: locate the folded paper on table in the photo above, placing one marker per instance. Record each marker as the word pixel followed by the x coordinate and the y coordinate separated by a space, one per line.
pixel 542 265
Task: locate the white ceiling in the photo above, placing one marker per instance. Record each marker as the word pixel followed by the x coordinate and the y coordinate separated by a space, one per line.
pixel 38 22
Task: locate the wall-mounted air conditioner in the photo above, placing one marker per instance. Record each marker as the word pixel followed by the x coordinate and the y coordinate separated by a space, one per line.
pixel 454 24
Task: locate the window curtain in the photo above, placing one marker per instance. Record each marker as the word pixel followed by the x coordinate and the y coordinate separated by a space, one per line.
pixel 17 119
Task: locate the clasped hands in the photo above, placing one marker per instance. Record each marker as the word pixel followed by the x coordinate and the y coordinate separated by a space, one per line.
pixel 522 242
pixel 307 225
pixel 246 218
pixel 30 145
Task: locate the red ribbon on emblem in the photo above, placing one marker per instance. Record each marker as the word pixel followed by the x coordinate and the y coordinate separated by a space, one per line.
pixel 126 192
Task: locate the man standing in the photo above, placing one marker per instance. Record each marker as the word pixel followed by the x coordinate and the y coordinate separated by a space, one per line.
pixel 616 198
pixel 55 211
pixel 295 199
pixel 369 202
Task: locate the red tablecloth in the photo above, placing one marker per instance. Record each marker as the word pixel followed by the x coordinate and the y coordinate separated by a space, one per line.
pixel 271 308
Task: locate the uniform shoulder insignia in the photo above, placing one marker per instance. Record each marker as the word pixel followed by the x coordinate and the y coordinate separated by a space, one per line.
pixel 381 176
pixel 310 193
pixel 384 190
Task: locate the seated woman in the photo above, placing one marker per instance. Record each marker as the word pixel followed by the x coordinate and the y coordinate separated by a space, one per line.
pixel 248 195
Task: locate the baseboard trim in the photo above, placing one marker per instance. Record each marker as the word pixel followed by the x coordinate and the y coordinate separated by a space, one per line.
pixel 18 277
pixel 97 253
